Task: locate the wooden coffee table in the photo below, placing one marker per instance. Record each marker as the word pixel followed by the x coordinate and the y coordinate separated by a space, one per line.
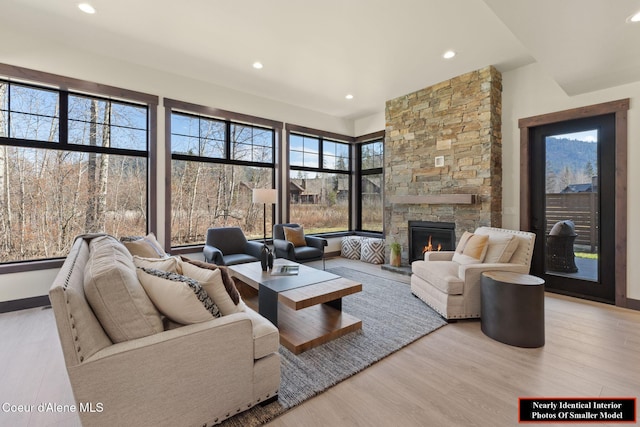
pixel 306 308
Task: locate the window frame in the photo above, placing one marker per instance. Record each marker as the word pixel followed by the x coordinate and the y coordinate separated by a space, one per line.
pixel 229 118
pixel 67 85
pixel 321 136
pixel 360 173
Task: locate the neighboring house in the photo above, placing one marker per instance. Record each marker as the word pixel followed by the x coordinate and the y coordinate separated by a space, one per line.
pixel 370 190
pixel 578 188
pixel 319 190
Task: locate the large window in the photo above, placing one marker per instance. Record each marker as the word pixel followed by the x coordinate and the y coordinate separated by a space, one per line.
pixel 70 164
pixel 215 165
pixel 319 183
pixel 371 186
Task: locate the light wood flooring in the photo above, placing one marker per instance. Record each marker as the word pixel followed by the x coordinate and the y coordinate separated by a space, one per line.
pixel 455 376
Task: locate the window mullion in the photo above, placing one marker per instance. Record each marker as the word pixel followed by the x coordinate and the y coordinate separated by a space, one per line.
pixel 227 139
pixel 63 118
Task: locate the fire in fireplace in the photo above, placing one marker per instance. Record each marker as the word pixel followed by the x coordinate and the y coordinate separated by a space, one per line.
pixel 429 246
pixel 428 236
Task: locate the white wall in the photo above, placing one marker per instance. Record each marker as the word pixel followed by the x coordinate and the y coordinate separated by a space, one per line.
pixel 370 124
pixel 529 91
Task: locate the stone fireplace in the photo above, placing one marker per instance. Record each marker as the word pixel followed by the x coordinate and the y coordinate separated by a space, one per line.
pixel 430 236
pixel 443 157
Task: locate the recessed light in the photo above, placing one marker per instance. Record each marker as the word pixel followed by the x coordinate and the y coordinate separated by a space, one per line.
pixel 634 18
pixel 349 96
pixel 258 65
pixel 448 54
pixel 87 8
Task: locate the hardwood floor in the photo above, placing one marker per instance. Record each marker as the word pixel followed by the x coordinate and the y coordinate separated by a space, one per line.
pixel 455 376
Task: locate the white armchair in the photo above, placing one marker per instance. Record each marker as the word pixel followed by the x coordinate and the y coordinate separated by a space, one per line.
pixel 453 289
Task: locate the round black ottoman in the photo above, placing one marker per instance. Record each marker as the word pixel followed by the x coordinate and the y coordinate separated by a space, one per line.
pixel 512 309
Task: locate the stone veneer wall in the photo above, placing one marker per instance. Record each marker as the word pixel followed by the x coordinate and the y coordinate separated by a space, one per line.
pixel 459 119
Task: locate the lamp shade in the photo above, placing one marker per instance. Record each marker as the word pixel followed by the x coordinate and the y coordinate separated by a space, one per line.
pixel 265 195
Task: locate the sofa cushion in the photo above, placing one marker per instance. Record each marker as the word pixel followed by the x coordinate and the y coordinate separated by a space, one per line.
pixel 115 294
pixel 443 275
pixel 144 246
pixel 180 298
pixel 211 281
pixel 501 248
pixel 295 235
pixel 372 250
pixel 165 264
pixel 471 248
pixel 266 338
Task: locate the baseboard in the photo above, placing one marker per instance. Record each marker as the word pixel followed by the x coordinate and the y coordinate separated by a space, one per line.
pixel 22 304
pixel 633 304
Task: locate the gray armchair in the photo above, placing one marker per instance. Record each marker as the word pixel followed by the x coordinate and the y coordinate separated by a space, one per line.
pixel 313 251
pixel 229 246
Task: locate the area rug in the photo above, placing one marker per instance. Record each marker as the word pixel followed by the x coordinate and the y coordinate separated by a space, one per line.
pixel 391 319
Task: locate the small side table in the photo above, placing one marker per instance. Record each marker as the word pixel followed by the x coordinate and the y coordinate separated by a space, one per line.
pixel 512 309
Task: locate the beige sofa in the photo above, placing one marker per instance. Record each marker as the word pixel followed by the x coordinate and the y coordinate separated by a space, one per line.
pixel 453 289
pixel 198 374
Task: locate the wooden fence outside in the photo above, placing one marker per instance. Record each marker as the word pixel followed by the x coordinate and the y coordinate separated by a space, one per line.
pixel 582 209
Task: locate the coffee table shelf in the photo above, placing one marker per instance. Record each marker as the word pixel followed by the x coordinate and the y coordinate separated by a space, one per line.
pixel 308 315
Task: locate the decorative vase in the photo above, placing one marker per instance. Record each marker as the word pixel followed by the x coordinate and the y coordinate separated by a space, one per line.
pixel 264 258
pixel 395 258
pixel 270 260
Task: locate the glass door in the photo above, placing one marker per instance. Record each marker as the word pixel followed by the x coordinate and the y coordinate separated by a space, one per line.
pixel 573 206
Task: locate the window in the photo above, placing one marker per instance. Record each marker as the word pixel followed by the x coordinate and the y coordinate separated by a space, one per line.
pixel 371 186
pixel 69 164
pixel 216 163
pixel 319 182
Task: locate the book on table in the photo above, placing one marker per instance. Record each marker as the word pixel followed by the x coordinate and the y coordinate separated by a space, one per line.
pixel 285 270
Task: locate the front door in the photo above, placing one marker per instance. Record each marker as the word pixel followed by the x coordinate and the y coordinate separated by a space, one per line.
pixel 573 206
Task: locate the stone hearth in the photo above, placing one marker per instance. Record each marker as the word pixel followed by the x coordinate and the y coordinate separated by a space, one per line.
pixel 443 156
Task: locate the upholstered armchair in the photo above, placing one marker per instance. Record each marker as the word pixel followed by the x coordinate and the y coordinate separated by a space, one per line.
pixel 229 246
pixel 449 281
pixel 299 248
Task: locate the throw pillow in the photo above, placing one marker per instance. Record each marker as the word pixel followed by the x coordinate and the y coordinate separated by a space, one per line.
pixel 211 281
pixel 229 284
pixel 295 235
pixel 144 246
pixel 501 248
pixel 180 298
pixel 115 294
pixel 471 249
pixel 165 264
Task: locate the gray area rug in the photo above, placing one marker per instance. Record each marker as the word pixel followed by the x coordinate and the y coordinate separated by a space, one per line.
pixel 391 319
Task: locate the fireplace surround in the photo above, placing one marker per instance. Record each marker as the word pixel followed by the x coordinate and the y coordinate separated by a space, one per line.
pixel 460 120
pixel 438 235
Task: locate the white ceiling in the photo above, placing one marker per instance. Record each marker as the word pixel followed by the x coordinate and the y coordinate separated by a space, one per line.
pixel 315 52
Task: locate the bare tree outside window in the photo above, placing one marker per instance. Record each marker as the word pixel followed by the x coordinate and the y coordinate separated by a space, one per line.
pixel 216 165
pixel 371 186
pixel 51 191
